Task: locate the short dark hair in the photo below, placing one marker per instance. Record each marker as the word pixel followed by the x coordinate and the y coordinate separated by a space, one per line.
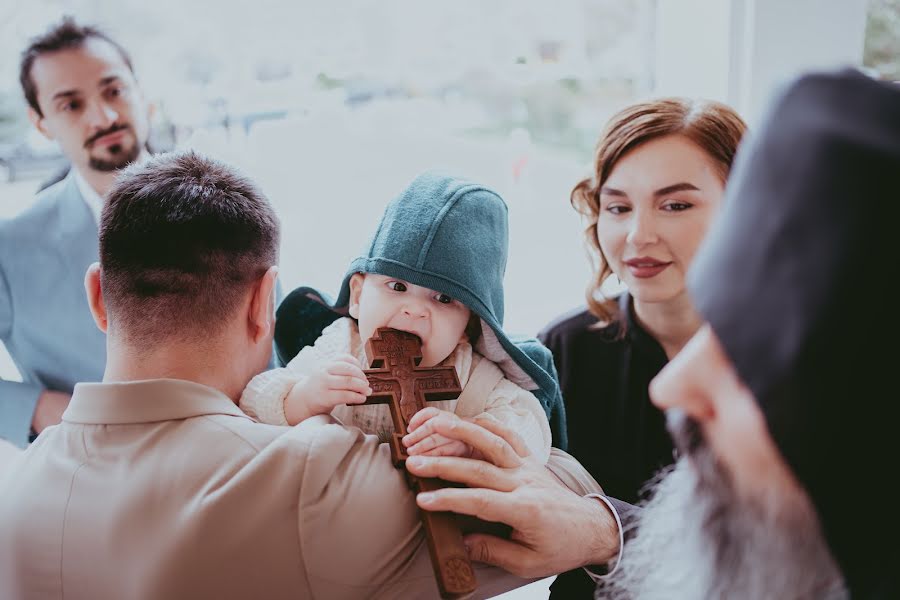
pixel 64 35
pixel 182 238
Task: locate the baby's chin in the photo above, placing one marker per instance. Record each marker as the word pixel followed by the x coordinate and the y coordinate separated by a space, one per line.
pixel 428 362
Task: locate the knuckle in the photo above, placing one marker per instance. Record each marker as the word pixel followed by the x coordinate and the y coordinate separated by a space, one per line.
pixel 434 466
pixel 530 512
pixel 528 567
pixel 497 446
pixel 482 553
pixel 480 503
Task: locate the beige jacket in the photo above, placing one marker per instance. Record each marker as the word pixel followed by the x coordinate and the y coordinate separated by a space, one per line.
pixel 486 391
pixel 164 489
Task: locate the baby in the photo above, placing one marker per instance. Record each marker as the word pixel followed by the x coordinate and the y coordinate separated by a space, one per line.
pixel 434 268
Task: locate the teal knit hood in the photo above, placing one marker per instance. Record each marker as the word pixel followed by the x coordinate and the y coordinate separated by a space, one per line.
pixel 450 236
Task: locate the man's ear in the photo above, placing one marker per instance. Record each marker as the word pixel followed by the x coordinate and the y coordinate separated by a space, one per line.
pixel 95 296
pixel 356 284
pixel 38 122
pixel 261 318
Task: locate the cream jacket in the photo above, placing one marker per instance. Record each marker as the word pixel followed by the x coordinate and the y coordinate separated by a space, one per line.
pixel 164 489
pixel 486 392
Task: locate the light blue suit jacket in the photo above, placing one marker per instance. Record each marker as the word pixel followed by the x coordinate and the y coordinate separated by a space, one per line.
pixel 45 322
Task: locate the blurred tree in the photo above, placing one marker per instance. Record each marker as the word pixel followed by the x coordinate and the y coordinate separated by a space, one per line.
pixel 13 121
pixel 882 52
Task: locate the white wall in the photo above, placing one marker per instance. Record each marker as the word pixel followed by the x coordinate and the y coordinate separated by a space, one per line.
pixel 740 51
pixel 692 45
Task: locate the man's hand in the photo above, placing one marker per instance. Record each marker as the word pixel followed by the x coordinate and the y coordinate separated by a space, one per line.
pixel 424 440
pixel 340 381
pixel 49 409
pixel 553 529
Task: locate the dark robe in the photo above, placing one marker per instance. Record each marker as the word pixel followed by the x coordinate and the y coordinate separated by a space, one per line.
pixel 798 281
pixel 614 430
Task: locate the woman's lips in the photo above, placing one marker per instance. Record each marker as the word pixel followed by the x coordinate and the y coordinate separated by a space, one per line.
pixel 644 267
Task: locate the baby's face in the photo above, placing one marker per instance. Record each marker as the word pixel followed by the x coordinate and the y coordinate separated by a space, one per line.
pixel 381 301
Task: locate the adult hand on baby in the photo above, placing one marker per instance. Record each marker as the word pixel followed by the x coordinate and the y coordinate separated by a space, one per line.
pixel 339 381
pixel 553 529
pixel 423 438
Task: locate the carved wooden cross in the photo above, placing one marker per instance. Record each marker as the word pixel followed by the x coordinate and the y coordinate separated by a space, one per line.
pixel 397 380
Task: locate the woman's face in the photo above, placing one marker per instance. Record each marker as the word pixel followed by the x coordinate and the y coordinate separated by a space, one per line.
pixel 655 208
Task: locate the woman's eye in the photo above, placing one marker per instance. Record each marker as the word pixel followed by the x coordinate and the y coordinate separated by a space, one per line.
pixel 443 299
pixel 617 209
pixel 397 286
pixel 677 206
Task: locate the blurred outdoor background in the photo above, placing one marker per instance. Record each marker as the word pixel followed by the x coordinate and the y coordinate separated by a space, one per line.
pixel 333 107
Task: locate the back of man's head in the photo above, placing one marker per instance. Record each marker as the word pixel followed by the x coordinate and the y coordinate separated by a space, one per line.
pixel 64 35
pixel 182 240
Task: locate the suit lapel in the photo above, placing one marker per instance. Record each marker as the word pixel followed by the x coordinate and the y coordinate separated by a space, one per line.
pixel 78 231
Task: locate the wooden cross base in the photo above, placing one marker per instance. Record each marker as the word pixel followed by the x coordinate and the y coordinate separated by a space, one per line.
pixel 397 380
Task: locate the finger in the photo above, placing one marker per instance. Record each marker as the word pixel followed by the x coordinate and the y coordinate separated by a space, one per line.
pixel 487 505
pixel 419 434
pixel 425 426
pixel 351 397
pixel 493 447
pixel 429 443
pixel 420 417
pixel 453 448
pixel 508 555
pixel 469 471
pixel 345 368
pixel 349 359
pixel 512 438
pixel 349 383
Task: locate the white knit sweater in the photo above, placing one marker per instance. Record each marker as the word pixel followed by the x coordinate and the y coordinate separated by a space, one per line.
pixel 491 393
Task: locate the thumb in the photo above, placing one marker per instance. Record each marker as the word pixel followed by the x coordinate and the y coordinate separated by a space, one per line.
pixel 505 554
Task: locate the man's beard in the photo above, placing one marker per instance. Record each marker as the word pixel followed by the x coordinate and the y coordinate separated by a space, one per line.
pixel 120 155
pixel 695 538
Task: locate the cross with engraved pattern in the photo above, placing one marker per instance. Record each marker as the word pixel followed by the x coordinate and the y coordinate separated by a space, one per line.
pixel 397 379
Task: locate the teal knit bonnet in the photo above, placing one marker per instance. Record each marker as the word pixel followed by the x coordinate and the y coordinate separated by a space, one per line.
pixel 450 236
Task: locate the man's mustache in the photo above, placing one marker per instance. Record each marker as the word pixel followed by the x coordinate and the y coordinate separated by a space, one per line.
pixel 117 127
pixel 685 432
pixel 691 444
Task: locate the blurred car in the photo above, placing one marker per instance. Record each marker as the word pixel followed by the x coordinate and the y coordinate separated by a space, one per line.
pixel 26 160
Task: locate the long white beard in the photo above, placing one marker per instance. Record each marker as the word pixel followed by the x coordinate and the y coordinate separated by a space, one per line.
pixel 696 540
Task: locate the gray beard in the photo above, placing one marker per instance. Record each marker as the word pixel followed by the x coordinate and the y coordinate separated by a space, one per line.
pixel 696 539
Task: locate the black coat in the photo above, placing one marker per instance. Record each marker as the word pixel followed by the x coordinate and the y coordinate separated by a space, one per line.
pixel 798 281
pixel 614 430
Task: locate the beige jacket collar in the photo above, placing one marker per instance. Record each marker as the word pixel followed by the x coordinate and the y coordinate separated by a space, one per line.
pixel 146 401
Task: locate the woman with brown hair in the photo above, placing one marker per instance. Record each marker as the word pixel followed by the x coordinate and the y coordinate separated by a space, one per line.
pixel 658 180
